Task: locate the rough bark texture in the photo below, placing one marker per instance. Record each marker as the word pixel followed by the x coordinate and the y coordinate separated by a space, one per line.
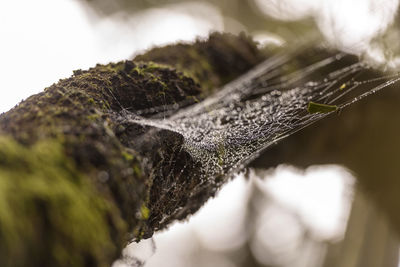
pixel 77 183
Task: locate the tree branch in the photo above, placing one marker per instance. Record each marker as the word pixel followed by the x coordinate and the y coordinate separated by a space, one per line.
pixel 77 182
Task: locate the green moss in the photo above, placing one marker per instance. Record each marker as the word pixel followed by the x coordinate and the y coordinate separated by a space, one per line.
pixel 94 117
pixel 43 200
pixel 127 156
pixel 150 67
pixel 105 105
pixel 221 154
pixel 144 212
pixel 112 67
pixel 138 234
pixel 91 101
pixel 210 63
pixel 320 108
pixel 137 170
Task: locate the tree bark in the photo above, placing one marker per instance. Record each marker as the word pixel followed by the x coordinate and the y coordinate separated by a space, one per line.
pixel 76 183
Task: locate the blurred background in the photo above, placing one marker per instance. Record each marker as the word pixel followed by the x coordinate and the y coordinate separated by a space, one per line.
pixel 281 217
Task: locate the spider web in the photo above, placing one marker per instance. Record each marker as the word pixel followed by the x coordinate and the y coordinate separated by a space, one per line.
pixel 232 127
pixel 229 129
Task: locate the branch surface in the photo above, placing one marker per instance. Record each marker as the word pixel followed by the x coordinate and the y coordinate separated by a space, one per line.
pixel 77 183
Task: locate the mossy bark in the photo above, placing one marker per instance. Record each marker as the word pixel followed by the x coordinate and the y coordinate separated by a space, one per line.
pixel 77 183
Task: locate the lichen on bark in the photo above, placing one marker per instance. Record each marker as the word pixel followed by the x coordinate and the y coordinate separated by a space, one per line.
pixel 78 182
